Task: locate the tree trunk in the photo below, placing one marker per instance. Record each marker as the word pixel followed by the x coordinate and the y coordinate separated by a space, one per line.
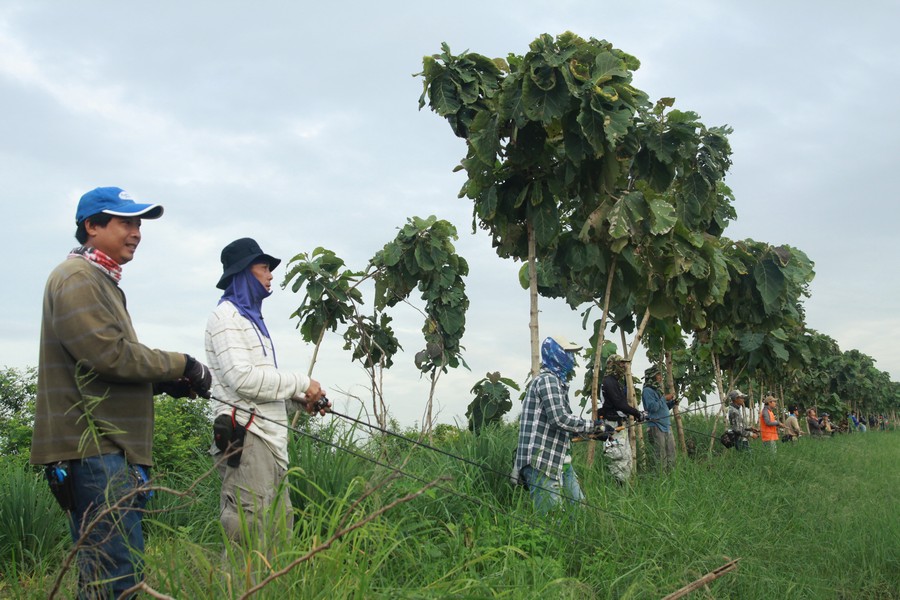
pixel 670 384
pixel 309 371
pixel 598 354
pixel 784 402
pixel 426 422
pixel 629 385
pixel 720 388
pixel 533 296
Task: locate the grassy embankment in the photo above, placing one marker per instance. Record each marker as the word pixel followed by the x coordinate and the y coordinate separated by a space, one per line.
pixel 819 520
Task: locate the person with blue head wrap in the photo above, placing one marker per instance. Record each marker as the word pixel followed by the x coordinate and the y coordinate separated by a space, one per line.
pixel 542 461
pixel 556 359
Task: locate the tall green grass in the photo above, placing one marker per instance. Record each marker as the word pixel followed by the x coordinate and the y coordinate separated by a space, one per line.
pixel 817 520
pixel 33 529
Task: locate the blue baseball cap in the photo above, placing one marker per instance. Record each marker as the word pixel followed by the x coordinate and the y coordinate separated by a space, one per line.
pixel 114 201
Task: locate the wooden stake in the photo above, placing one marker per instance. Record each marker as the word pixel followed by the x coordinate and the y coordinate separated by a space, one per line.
pixel 712 575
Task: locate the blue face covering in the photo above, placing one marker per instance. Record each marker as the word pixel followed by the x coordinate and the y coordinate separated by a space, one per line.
pixel 558 361
pixel 246 293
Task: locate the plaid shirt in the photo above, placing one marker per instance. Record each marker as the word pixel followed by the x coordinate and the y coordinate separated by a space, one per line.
pixel 545 426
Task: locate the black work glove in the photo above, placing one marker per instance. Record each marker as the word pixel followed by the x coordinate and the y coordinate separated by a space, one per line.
pixel 642 416
pixel 177 388
pixel 198 376
pixel 602 430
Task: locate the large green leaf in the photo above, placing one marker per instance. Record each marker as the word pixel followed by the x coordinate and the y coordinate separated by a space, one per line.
pixel 607 66
pixel 545 220
pixel 619 221
pixel 483 137
pixel 663 216
pixel 444 95
pixel 591 123
pixel 616 124
pixel 779 350
pixel 545 95
pixel 694 193
pixel 486 205
pixel 662 307
pixel 576 145
pixel 750 342
pixel 512 104
pixel 391 254
pixel 452 321
pixel 770 283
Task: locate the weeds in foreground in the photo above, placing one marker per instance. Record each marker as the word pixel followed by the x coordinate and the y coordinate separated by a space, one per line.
pixel 815 521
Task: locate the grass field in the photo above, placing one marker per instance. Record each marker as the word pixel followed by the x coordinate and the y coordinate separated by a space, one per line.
pixel 818 520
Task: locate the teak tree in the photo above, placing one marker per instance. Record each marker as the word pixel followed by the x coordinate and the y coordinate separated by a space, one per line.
pixel 544 133
pixel 421 257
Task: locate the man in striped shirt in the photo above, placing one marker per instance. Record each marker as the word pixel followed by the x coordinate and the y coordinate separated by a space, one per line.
pixel 246 378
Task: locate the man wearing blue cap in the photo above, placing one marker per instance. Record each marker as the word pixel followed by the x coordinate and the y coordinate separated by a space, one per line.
pixel 93 426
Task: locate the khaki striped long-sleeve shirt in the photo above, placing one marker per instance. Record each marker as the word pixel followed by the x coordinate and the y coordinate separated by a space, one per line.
pixel 242 362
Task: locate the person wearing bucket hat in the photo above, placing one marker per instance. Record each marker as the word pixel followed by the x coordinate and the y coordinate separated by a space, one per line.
pixel 93 373
pixel 615 408
pixel 240 254
pixel 658 406
pixel 240 352
pixel 542 460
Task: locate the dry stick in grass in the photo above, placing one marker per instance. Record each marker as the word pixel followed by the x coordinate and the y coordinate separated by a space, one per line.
pixel 120 504
pixel 712 575
pixel 143 587
pixel 342 532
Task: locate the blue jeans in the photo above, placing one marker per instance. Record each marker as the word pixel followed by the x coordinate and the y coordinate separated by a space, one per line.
pixel 110 559
pixel 545 492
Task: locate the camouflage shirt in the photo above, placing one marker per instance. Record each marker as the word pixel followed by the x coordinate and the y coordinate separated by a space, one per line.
pixel 736 420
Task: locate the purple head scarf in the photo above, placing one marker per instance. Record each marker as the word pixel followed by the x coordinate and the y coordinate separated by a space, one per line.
pixel 246 293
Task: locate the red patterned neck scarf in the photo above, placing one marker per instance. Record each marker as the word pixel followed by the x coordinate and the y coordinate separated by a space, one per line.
pixel 99 260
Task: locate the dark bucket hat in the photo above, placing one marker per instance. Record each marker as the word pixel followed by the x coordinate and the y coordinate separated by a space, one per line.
pixel 240 254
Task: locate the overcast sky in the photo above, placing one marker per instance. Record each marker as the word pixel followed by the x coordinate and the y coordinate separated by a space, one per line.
pixel 300 127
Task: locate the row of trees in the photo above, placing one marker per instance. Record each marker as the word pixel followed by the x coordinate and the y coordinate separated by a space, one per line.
pixel 618 203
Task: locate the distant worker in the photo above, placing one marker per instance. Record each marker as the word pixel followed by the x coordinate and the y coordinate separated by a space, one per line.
pixel 657 407
pixel 736 421
pixel 813 424
pixel 792 425
pixel 826 424
pixel 616 409
pixel 769 425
